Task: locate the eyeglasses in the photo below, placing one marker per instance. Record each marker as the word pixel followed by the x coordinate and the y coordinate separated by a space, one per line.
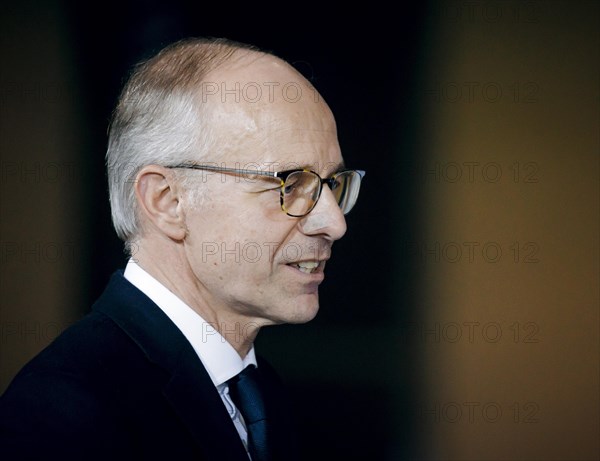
pixel 300 189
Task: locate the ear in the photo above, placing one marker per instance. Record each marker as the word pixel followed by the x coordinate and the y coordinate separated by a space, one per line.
pixel 158 198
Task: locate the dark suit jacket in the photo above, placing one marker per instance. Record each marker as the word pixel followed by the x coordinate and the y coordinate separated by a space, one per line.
pixel 124 383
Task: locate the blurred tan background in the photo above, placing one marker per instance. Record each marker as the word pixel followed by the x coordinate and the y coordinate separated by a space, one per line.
pixel 513 128
pixel 503 342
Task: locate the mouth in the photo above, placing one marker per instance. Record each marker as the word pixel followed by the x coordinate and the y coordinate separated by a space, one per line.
pixel 308 267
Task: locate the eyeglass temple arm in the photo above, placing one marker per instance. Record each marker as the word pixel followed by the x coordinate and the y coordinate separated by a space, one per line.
pixel 194 166
pixel 272 174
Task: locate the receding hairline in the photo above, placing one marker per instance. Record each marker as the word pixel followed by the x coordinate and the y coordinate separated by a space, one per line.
pixel 186 63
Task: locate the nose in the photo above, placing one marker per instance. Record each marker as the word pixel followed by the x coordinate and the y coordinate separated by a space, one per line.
pixel 326 218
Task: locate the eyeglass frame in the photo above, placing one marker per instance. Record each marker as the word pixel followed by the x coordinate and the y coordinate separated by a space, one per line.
pixel 281 175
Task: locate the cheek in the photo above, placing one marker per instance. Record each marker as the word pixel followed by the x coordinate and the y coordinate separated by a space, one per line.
pixel 244 239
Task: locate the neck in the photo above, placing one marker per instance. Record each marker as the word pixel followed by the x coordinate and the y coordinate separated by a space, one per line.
pixel 174 272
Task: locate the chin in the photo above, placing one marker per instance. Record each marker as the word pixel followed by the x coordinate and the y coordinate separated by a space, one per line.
pixel 292 310
pixel 304 313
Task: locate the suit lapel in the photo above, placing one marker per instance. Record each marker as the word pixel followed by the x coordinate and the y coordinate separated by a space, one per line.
pixel 189 390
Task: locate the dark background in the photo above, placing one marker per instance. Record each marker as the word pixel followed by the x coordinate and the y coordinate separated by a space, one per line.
pixel 365 66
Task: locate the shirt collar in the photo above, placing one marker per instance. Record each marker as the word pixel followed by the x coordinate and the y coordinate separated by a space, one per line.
pixel 218 356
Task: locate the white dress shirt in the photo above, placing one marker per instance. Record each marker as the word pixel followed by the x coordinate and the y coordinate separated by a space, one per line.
pixel 220 359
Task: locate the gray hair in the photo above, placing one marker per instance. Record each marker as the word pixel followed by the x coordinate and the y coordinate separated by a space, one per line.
pixel 158 120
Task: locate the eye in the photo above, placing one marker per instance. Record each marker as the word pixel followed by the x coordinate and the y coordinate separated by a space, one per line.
pixel 290 184
pixel 338 182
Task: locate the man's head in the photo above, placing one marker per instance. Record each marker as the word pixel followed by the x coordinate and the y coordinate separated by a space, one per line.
pixel 158 120
pixel 222 240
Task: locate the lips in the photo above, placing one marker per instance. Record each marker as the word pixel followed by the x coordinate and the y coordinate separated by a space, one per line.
pixel 308 267
pixel 311 267
pixel 310 262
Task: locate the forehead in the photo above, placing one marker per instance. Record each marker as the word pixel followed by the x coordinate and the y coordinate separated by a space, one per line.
pixel 293 148
pixel 266 112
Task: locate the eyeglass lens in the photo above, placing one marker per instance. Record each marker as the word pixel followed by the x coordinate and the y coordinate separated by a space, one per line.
pixel 301 191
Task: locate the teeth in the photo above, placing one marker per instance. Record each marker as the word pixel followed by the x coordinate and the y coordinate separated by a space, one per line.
pixel 307 266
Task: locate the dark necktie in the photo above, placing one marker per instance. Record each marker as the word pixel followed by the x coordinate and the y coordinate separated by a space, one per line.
pixel 248 393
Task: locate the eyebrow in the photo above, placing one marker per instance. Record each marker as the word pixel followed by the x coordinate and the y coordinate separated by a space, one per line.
pixel 338 167
pixel 269 174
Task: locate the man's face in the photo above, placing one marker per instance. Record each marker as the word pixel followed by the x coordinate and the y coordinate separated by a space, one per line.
pixel 251 261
